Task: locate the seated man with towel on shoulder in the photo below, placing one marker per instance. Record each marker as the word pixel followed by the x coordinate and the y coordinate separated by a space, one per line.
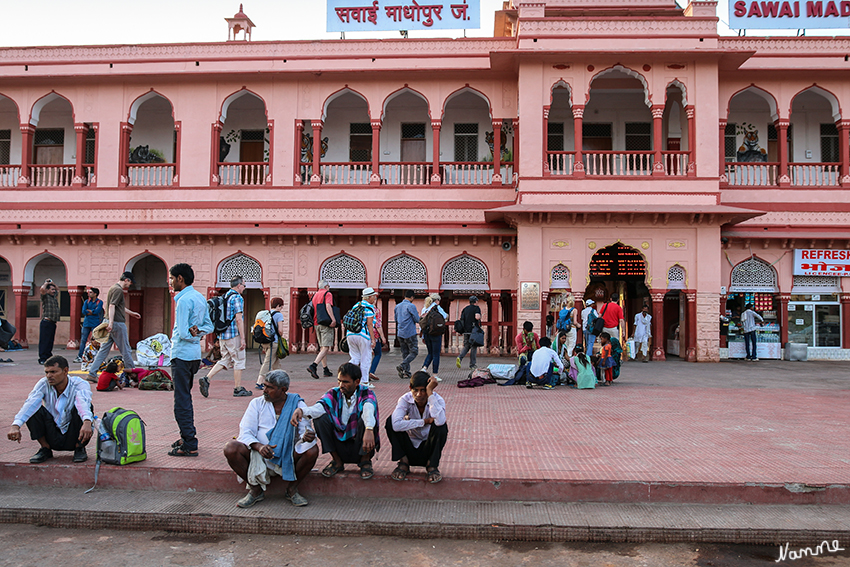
pixel 273 439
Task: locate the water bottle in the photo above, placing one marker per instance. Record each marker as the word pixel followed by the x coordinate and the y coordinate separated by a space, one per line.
pixel 101 429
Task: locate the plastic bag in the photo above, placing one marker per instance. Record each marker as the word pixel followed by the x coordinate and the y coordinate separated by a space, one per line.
pixel 502 371
pixel 154 351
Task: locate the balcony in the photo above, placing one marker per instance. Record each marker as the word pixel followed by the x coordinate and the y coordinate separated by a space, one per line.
pixel 151 174
pixel 238 174
pixel 9 175
pixel 409 173
pixel 767 174
pixel 618 164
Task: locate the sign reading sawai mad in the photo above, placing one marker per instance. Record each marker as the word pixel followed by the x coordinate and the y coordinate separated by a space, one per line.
pixel 805 14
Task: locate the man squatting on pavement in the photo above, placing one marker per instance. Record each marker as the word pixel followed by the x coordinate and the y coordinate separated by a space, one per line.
pixel 58 413
pixel 346 420
pixel 417 429
pixel 191 323
pixel 273 441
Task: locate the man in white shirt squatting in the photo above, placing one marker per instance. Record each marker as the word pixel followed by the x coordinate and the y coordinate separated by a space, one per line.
pixel 274 439
pixel 346 420
pixel 541 370
pixel 58 413
pixel 417 429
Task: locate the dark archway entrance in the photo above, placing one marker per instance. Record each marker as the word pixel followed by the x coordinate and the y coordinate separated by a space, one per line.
pixel 619 269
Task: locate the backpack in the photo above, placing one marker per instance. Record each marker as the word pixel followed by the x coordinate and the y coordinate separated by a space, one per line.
pixel 264 331
pixel 306 315
pixel 282 348
pixel 121 438
pixel 598 324
pixel 563 319
pixel 353 320
pixel 218 313
pixel 433 323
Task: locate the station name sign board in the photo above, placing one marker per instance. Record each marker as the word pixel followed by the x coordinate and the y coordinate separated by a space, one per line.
pixel 799 14
pixel 384 15
pixel 815 262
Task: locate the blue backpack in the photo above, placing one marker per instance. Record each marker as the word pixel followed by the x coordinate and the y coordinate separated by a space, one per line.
pixel 564 319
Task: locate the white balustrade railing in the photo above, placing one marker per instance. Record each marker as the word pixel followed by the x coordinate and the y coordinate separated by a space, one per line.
pixel 561 163
pixel 151 174
pixel 814 174
pixel 52 175
pixel 352 173
pixel 467 173
pixel 243 173
pixel 676 163
pixel 9 175
pixel 752 174
pixel 618 163
pixel 412 173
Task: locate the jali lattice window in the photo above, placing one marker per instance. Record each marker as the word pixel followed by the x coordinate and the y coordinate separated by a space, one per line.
pixel 344 272
pixel 560 277
pixel 240 265
pixel 676 277
pixel 816 284
pixel 753 275
pixel 465 273
pixel 404 272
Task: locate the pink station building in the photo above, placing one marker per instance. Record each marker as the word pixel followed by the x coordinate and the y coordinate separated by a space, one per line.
pixel 636 151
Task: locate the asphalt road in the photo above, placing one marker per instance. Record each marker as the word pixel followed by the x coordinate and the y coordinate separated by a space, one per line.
pixel 27 545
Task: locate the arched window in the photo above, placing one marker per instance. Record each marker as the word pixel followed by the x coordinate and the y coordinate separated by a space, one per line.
pixel 465 273
pixel 560 277
pixel 344 272
pixel 753 275
pixel 677 277
pixel 240 265
pixel 404 272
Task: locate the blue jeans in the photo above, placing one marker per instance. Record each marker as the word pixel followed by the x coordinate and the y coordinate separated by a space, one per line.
pixel 183 373
pixel 409 351
pixel 750 339
pixel 589 341
pixel 376 355
pixel 434 343
pixel 548 378
pixel 83 338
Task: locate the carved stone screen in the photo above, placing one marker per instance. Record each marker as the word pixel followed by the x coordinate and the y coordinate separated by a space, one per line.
pixel 240 265
pixel 344 272
pixel 806 285
pixel 404 272
pixel 753 275
pixel 560 277
pixel 676 278
pixel 465 273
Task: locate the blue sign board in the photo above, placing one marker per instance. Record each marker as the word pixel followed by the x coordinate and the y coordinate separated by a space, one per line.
pixel 383 15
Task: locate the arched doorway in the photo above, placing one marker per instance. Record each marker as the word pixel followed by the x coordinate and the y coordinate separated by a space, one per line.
pixel 149 296
pixel 347 277
pixel 398 274
pixel 675 313
pixel 38 269
pixel 243 146
pixel 153 153
pixel 251 273
pixel 622 270
pixel 461 277
pixel 7 306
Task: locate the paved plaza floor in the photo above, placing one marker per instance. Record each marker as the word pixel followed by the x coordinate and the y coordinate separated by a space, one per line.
pixel 674 422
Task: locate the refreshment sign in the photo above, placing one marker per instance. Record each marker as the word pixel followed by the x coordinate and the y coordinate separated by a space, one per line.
pixel 799 14
pixel 814 262
pixel 383 15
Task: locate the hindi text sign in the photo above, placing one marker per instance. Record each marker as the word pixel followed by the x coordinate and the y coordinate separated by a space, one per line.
pixel 383 15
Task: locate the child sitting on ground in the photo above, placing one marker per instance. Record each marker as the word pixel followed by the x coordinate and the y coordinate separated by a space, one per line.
pixel 109 379
pixel 581 369
pixel 213 356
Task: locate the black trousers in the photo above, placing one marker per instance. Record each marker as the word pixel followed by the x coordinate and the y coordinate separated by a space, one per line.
pixel 183 374
pixel 46 336
pixel 427 454
pixel 350 451
pixel 41 424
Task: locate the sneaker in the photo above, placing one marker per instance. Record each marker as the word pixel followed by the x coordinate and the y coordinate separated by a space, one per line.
pixel 457 362
pixel 473 366
pixel 241 392
pixel 249 500
pixel 327 374
pixel 437 378
pixel 548 387
pixel 80 455
pixel 43 454
pixel 204 386
pixel 258 386
pixel 296 499
pixel 401 371
pixel 370 386
pixel 312 370
pixel 755 360
pixel 41 362
pixel 529 386
pixel 78 359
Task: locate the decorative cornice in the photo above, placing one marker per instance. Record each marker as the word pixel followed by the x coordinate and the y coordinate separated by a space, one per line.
pixel 787 218
pixel 787 46
pixel 609 27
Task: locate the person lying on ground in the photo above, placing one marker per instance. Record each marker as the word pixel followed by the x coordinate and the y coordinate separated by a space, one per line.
pixel 273 441
pixel 417 429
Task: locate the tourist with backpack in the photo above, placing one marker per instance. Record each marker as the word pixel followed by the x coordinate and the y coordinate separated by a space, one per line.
pixel 232 341
pixel 612 314
pixel 406 318
pixel 325 320
pixel 433 325
pixel 359 325
pixel 568 322
pixel 270 360
pixel 588 316
pixel 469 319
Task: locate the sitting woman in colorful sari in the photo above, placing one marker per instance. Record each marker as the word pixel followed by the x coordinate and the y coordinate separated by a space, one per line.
pixel 527 342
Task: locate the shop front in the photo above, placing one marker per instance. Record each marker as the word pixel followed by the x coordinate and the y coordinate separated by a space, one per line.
pixel 814 312
pixel 754 281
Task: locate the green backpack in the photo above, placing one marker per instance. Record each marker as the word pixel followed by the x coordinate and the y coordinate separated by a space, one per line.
pixel 353 320
pixel 121 439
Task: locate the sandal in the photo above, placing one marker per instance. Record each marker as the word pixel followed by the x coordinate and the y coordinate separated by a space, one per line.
pixel 373 377
pixel 366 471
pixel 399 473
pixel 181 452
pixel 332 469
pixel 434 476
pixel 177 444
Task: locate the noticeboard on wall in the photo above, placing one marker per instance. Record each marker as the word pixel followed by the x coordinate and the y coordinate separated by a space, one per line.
pixel 530 296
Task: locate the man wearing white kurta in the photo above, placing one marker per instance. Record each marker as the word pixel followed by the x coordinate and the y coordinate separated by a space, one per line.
pixel 643 331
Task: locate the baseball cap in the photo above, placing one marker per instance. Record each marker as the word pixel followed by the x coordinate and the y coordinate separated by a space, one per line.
pixel 589 302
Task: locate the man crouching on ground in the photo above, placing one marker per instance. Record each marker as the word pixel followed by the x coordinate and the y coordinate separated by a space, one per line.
pixel 346 420
pixel 58 413
pixel 273 439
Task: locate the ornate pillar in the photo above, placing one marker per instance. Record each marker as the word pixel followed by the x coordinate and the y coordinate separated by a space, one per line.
pixel 692 326
pixel 513 329
pixel 124 154
pixel 659 339
pixel 497 152
pixel 27 132
pixel 294 321
pixel 493 318
pixel 845 319
pixel 546 168
pixel 578 113
pixel 658 168
pixel 21 296
pixel 178 137
pixel 723 341
pixel 215 143
pixel 299 136
pixel 722 155
pixel 269 180
pixel 784 298
pixel 544 310
pixel 436 178
pixel 375 177
pixel 516 146
pixel 578 296
pixel 692 142
pixel 782 133
pixel 81 130
pixel 76 294
pixel 844 149
pixel 316 178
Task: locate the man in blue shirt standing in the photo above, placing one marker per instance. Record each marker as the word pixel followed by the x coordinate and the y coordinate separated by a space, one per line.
pixel 191 323
pixel 92 317
pixel 406 317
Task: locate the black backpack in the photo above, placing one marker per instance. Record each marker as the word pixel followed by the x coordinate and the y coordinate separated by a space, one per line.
pixel 218 314
pixel 434 323
pixel 354 320
pixel 599 323
pixel 306 315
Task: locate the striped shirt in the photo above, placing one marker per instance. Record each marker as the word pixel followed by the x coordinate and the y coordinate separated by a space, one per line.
pixel 368 311
pixel 235 304
pixel 50 307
